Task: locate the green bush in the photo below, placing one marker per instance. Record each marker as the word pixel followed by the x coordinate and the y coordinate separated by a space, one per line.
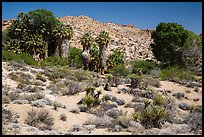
pixel 115 58
pixel 54 61
pixel 145 67
pixel 75 58
pixel 5 36
pixel 18 57
pixel 177 74
pixel 120 70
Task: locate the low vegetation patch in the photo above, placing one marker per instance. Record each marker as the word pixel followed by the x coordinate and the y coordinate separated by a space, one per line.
pixel 176 74
pixel 40 119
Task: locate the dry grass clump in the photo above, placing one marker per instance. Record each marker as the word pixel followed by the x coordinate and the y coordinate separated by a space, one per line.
pixel 39 76
pixel 40 119
pixel 21 77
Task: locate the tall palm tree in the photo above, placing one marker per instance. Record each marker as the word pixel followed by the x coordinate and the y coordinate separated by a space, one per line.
pixel 86 40
pixel 62 34
pixel 102 40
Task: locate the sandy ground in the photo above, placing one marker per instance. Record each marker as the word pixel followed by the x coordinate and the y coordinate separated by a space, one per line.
pixel 71 103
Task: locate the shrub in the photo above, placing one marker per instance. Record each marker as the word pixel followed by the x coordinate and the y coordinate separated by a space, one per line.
pixel 158 100
pixel 119 70
pixel 73 88
pixel 5 99
pixel 40 119
pixel 81 75
pixel 153 116
pixel 56 105
pixel 134 80
pixel 40 77
pixel 115 58
pixel 137 116
pixel 91 101
pixel 18 57
pixel 63 117
pixel 141 66
pixel 75 58
pixel 176 74
pixel 54 61
pixel 192 58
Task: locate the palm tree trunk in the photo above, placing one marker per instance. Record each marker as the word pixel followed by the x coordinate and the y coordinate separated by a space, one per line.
pixel 63 46
pixel 85 58
pixel 102 58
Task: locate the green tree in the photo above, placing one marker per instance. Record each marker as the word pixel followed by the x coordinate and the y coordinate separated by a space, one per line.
pixel 62 33
pixel 169 39
pixel 94 61
pixel 86 40
pixel 103 39
pixel 34 30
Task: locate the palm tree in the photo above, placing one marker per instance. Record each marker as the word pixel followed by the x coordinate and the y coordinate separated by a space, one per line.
pixel 102 40
pixel 86 40
pixel 62 34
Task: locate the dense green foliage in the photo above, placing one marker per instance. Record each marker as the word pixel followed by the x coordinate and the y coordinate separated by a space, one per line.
pixel 141 66
pixel 115 58
pixel 74 57
pixel 54 61
pixel 5 36
pixel 94 60
pixel 36 33
pixel 21 58
pixel 176 74
pixel 169 41
pixel 120 70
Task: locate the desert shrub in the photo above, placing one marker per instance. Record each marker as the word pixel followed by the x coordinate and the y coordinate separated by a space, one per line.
pixel 153 116
pixel 147 80
pixel 54 61
pixel 81 75
pixel 53 74
pixel 21 77
pixel 120 70
pixel 18 57
pixel 41 77
pixel 134 80
pixel 40 119
pixel 73 88
pixel 176 74
pixel 192 58
pixel 137 116
pixel 8 116
pixel 32 97
pixel 158 100
pixel 63 117
pixel 142 67
pixel 5 99
pixel 123 121
pixel 75 58
pixel 13 96
pixel 101 122
pixel 91 101
pixel 56 105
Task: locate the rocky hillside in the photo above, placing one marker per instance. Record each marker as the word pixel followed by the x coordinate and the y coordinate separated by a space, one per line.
pixel 133 41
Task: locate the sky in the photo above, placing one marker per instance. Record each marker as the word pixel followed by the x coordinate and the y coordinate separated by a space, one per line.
pixel 143 15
